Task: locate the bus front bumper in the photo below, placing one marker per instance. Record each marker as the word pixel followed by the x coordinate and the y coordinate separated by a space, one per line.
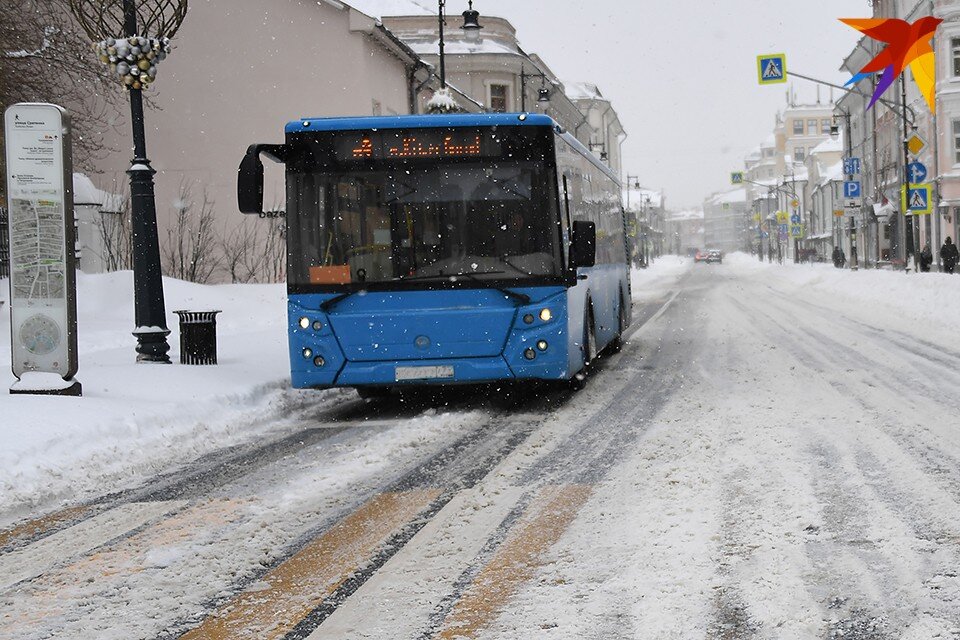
pixel 430 372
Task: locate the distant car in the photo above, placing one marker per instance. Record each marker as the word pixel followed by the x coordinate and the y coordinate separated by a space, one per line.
pixel 700 256
pixel 714 256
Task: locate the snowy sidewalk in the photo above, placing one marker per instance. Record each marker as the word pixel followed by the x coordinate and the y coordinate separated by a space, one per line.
pixel 928 303
pixel 136 420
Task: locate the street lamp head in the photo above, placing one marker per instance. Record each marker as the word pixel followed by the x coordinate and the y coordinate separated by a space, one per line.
pixel 131 37
pixel 834 131
pixel 543 95
pixel 471 24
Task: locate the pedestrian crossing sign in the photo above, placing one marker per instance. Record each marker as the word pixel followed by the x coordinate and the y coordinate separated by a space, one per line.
pixel 772 68
pixel 796 230
pixel 918 199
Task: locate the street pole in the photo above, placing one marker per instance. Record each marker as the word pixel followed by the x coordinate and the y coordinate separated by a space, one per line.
pixel 523 88
pixel 149 311
pixel 906 233
pixel 443 67
pixel 848 133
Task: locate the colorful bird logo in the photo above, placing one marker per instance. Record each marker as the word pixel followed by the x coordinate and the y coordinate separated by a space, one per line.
pixel 907 44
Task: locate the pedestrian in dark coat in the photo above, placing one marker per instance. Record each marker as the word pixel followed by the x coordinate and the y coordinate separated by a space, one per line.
pixel 949 256
pixel 838 257
pixel 926 258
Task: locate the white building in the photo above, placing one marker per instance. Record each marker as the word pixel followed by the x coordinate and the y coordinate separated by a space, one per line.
pixel 96 214
pixel 726 221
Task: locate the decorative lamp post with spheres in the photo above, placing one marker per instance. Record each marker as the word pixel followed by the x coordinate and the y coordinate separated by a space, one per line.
pixel 133 37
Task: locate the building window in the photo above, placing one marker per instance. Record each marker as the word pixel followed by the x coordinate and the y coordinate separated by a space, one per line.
pixel 956 142
pixel 799 154
pixel 825 126
pixel 955 45
pixel 798 127
pixel 811 127
pixel 498 98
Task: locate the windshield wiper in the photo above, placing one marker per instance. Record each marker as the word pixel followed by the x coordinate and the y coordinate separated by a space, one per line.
pixel 334 301
pixel 523 298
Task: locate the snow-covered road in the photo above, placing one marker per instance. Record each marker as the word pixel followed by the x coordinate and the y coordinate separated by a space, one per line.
pixel 775 454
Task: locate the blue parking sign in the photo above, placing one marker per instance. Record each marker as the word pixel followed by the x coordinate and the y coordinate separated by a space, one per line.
pixel 851 189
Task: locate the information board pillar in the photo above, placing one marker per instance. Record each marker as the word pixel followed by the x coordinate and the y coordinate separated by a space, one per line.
pixel 43 292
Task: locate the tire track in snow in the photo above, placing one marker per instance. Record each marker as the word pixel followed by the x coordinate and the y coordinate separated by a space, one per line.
pixel 874 488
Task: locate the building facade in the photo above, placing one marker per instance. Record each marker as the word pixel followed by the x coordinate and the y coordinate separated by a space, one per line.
pixel 497 73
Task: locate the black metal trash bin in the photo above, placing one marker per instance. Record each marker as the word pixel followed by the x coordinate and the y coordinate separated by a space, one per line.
pixel 198 337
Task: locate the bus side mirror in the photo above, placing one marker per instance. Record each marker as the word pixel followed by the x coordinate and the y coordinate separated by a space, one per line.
pixel 583 250
pixel 250 176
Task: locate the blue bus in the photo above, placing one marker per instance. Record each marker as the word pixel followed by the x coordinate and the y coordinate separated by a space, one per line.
pixel 445 249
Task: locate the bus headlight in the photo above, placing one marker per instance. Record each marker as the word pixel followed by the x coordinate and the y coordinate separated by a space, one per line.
pixel 542 345
pixel 546 315
pixel 528 319
pixel 319 361
pixel 317 325
pixel 529 354
pixel 307 354
pixel 304 323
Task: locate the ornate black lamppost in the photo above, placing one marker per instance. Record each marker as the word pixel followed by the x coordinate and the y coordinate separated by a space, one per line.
pixel 133 37
pixel 443 102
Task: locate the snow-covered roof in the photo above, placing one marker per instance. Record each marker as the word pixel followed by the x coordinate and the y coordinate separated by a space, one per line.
pixel 832 173
pixel 86 193
pixel 380 8
pixel 583 91
pixel 457 46
pixel 829 146
pixel 689 214
pixel 730 197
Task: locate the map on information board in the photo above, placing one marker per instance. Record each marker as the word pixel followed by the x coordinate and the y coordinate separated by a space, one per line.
pixel 37 248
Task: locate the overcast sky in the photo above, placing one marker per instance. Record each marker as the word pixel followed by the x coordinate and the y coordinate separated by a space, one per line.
pixel 682 75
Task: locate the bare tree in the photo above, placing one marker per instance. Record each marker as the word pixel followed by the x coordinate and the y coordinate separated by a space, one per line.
pixel 275 249
pixel 255 251
pixel 191 251
pixel 116 235
pixel 46 57
pixel 242 253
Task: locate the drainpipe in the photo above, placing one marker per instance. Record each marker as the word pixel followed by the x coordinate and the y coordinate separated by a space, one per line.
pixel 620 157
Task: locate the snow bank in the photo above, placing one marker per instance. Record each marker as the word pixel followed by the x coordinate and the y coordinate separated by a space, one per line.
pixel 135 420
pixel 927 301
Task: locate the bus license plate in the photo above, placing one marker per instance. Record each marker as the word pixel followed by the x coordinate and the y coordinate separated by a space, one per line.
pixel 423 373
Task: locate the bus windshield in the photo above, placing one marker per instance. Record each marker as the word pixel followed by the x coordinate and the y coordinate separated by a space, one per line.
pixel 396 222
